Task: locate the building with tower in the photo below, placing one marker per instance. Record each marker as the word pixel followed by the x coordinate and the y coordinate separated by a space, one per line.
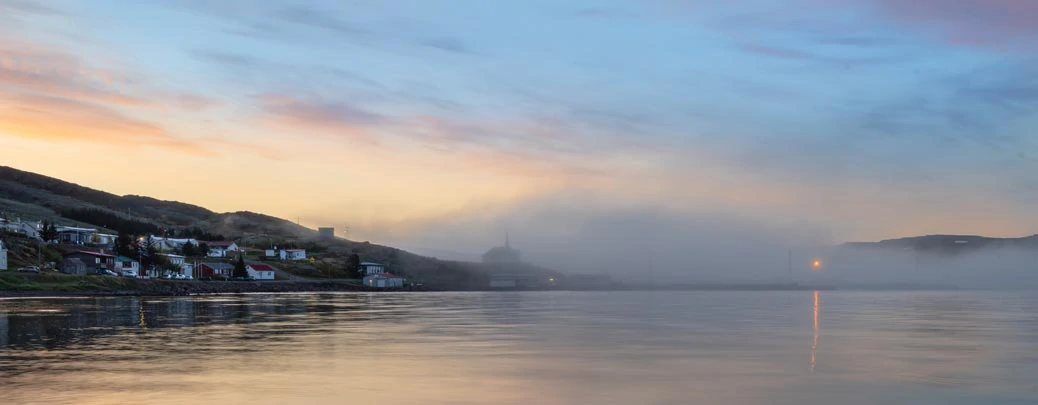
pixel 503 254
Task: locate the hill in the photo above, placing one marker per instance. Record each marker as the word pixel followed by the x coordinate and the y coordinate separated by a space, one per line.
pixel 947 244
pixel 32 196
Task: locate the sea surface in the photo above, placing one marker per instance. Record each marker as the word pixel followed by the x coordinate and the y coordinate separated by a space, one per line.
pixel 793 347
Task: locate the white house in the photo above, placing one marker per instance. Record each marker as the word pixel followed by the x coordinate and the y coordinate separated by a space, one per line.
pixel 75 235
pixel 369 268
pixel 383 280
pixel 127 266
pixel 220 248
pixel 170 244
pixel 270 253
pixel 103 239
pixel 180 262
pixel 3 256
pixel 30 229
pixel 260 271
pixel 293 254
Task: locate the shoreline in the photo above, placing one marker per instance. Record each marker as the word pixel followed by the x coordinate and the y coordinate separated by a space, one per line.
pixel 165 288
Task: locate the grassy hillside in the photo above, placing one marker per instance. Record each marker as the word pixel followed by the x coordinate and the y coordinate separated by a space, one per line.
pixel 33 196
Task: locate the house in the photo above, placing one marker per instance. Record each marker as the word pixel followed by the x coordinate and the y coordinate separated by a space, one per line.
pixel 369 268
pixel 73 266
pixel 215 270
pixel 93 261
pixel 260 271
pixel 220 248
pixel 170 244
pixel 127 266
pixel 105 239
pixel 376 276
pixel 29 229
pixel 383 280
pixel 180 262
pixel 293 254
pixel 175 260
pixel 270 253
pixel 3 256
pixel 75 236
pixel 326 233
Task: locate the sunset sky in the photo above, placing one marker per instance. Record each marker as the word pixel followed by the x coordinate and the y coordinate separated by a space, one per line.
pixel 436 125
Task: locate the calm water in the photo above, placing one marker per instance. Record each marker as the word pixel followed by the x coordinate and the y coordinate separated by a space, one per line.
pixel 524 348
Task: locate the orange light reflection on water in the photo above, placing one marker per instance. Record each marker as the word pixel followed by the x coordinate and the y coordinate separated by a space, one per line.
pixel 814 343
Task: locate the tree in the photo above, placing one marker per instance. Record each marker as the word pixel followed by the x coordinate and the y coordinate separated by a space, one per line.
pixel 203 249
pixel 124 245
pixel 149 255
pixel 49 233
pixel 353 266
pixel 239 268
pixel 188 249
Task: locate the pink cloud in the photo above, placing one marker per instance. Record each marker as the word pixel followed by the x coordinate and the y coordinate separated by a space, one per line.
pixel 54 95
pixel 333 118
pixel 991 24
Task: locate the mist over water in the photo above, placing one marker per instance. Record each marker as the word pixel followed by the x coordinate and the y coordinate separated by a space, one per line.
pixel 658 244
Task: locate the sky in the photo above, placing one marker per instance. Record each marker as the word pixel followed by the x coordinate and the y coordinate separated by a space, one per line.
pixel 606 125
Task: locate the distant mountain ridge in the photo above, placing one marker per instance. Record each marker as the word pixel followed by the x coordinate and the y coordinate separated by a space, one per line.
pixel 948 244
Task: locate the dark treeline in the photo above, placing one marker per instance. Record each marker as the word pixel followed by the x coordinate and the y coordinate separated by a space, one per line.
pixel 128 226
pixel 110 220
pixel 194 233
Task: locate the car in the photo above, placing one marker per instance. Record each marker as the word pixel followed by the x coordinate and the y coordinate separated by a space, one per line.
pixel 129 274
pixel 29 269
pixel 104 272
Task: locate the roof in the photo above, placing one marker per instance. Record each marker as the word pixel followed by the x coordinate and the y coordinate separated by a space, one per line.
pixel 370 264
pixel 217 243
pixel 87 252
pixel 75 229
pixel 295 250
pixel 261 267
pixel 125 259
pixel 217 266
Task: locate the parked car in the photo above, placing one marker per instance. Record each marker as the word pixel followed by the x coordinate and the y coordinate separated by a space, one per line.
pixel 128 274
pixel 104 272
pixel 29 269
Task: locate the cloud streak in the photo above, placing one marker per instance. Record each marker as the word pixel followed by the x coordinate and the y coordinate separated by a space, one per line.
pixel 334 118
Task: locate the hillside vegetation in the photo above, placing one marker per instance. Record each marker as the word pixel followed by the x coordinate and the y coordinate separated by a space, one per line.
pixel 36 197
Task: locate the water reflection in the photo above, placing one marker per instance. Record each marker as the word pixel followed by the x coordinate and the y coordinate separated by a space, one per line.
pixel 814 342
pixel 520 348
